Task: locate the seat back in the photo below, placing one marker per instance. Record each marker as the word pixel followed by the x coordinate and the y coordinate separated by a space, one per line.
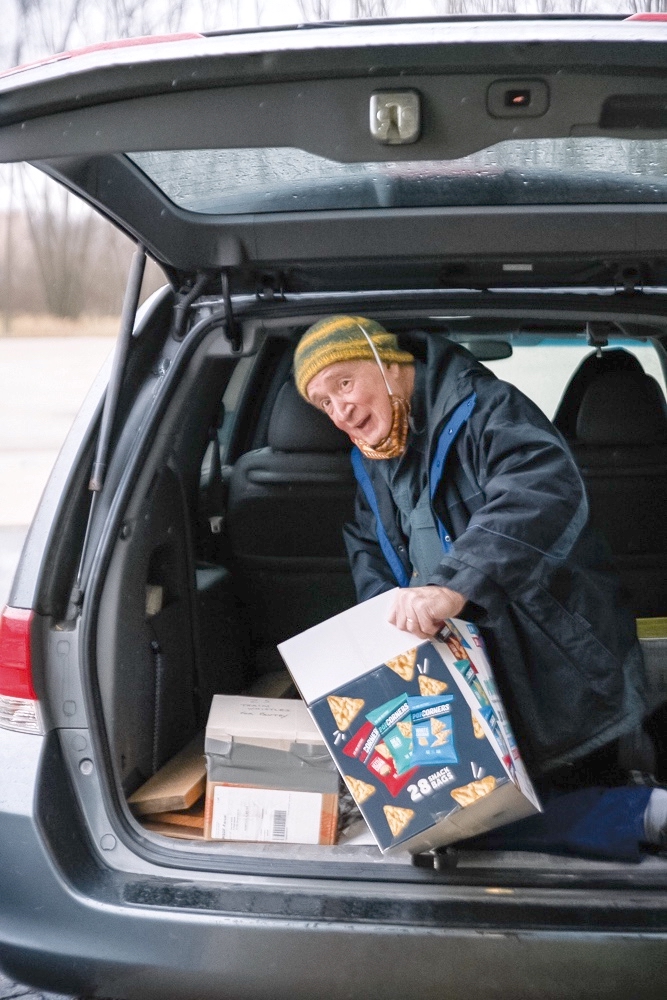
pixel 594 365
pixel 287 506
pixel 621 449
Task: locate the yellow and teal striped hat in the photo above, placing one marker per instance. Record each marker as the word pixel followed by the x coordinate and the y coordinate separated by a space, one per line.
pixel 341 338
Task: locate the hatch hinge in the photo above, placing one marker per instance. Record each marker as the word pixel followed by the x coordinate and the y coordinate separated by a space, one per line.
pixel 629 279
pixel 184 299
pixel 270 287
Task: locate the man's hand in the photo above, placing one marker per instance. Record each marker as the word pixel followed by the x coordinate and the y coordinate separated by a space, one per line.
pixel 422 610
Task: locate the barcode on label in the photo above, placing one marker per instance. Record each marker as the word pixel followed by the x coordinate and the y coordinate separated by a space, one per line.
pixel 265 815
pixel 280 824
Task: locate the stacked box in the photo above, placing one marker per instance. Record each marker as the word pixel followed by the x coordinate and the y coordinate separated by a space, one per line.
pixel 270 778
pixel 419 732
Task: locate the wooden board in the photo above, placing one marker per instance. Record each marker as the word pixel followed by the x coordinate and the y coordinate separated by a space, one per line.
pixel 175 786
pixel 171 830
pixel 192 817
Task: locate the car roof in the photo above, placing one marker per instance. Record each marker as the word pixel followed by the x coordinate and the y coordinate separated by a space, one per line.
pixel 77 117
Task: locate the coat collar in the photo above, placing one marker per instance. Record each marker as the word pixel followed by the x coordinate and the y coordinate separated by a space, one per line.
pixel 451 373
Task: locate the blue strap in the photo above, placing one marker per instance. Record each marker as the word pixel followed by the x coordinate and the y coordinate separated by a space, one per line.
pixel 447 436
pixel 388 551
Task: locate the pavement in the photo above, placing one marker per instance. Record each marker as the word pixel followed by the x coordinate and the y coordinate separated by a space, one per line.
pixel 43 381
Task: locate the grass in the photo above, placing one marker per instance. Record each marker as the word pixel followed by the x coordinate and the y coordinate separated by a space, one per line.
pixel 45 325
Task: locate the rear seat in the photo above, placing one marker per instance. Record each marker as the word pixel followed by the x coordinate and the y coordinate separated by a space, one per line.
pixel 598 363
pixel 621 449
pixel 287 505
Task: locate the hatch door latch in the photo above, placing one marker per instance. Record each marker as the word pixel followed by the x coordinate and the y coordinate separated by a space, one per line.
pixel 395 117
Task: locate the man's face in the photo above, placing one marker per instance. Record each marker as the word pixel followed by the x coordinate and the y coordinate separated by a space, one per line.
pixel 355 396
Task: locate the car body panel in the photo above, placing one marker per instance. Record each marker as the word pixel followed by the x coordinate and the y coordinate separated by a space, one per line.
pixel 73 927
pixel 327 50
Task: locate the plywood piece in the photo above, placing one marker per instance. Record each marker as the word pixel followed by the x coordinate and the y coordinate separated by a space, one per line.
pixel 177 785
pixel 172 830
pixel 192 817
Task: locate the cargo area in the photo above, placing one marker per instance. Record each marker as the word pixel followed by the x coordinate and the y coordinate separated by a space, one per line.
pixel 233 544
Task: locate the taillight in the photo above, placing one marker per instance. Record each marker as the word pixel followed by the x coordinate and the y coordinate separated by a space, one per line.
pixel 18 701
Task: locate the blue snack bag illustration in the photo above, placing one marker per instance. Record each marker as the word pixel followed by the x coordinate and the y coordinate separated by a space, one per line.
pixel 432 730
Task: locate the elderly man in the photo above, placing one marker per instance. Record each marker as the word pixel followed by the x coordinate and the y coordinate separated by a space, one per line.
pixel 471 503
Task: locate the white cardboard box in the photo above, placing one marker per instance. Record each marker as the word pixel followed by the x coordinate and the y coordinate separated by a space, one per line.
pixel 418 732
pixel 270 777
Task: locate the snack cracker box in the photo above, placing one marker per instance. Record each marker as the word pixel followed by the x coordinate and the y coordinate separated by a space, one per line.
pixel 429 710
pixel 270 778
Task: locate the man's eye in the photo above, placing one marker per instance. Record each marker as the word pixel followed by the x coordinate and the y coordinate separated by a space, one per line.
pixel 345 383
pixel 325 404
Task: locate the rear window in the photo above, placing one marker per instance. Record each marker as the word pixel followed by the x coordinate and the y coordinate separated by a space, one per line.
pixel 542 369
pixel 574 170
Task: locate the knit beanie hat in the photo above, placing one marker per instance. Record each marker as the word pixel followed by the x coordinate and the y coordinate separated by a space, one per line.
pixel 341 338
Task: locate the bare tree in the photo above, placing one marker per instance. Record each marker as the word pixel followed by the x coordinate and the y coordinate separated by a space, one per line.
pixel 647 6
pixel 560 6
pixel 60 236
pixel 8 256
pixel 315 10
pixel 59 229
pixel 368 8
pixel 131 18
pixel 475 6
pixel 210 12
pixel 43 27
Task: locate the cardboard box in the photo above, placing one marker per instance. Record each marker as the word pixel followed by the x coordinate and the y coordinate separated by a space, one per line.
pixel 418 732
pixel 270 778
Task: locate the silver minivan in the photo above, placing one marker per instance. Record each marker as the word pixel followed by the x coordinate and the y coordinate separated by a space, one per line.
pixel 500 183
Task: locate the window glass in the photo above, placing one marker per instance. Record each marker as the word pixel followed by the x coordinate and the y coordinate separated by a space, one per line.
pixel 573 170
pixel 542 370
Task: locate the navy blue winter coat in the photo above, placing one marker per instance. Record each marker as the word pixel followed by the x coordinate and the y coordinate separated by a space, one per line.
pixel 538 580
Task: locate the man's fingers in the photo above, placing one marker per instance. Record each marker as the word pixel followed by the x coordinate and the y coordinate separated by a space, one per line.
pixel 422 610
pixel 423 620
pixel 398 616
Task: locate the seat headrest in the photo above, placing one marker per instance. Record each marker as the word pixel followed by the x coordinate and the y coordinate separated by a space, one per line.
pixel 593 366
pixel 623 408
pixel 295 425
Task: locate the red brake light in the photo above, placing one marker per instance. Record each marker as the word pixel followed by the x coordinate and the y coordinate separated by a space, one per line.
pixel 15 658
